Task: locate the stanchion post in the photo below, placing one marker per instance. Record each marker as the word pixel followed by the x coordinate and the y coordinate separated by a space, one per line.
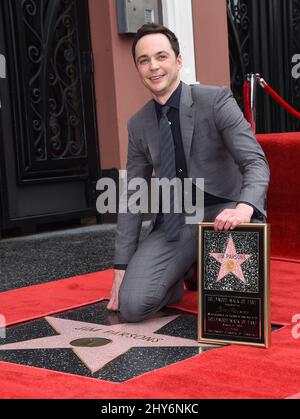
pixel 2 70
pixel 252 79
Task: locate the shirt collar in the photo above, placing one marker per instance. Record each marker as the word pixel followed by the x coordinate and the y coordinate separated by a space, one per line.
pixel 174 100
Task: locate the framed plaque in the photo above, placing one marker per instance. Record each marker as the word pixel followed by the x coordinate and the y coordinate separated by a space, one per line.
pixel 234 294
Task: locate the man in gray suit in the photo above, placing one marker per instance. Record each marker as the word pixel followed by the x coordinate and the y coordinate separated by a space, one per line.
pixel 213 141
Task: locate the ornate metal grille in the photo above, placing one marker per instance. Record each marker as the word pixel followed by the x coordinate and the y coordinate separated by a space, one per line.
pixel 51 137
pixel 239 38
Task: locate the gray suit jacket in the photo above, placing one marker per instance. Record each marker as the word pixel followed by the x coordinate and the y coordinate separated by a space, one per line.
pixel 219 146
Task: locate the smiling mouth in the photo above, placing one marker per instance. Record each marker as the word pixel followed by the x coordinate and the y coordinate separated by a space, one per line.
pixel 155 78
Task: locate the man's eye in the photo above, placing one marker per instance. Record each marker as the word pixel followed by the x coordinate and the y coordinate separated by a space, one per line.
pixel 143 62
pixel 162 57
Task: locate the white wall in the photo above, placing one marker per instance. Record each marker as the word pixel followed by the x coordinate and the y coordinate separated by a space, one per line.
pixel 177 16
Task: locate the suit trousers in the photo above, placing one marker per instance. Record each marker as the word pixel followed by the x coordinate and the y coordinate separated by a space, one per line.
pixel 155 274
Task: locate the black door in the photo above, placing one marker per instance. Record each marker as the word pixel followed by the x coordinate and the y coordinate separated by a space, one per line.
pixel 49 158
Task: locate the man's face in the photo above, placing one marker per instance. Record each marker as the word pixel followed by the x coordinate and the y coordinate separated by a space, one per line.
pixel 157 65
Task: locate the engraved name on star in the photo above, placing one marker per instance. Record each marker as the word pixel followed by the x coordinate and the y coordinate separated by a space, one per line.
pixel 231 262
pixel 116 339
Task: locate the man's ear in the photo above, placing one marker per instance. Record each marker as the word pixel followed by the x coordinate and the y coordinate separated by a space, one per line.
pixel 180 61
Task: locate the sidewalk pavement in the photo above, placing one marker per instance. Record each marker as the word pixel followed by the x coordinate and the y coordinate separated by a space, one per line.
pixel 45 257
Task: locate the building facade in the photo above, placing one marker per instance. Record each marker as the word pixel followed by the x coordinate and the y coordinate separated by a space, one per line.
pixel 68 85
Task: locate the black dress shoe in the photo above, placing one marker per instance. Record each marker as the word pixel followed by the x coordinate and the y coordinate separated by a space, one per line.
pixel 191 278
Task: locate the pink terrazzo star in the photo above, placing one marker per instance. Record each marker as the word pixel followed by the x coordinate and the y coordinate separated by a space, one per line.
pixel 120 338
pixel 231 262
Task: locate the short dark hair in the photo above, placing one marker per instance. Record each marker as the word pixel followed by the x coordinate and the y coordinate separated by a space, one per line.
pixel 154 28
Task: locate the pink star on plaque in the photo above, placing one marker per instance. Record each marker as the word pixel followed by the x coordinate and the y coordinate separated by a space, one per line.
pixel 231 262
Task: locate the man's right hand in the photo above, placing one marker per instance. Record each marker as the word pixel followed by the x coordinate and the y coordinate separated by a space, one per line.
pixel 113 304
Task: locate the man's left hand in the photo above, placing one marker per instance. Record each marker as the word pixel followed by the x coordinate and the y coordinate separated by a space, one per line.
pixel 229 219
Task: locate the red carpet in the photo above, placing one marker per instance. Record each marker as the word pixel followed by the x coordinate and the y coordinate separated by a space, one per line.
pixel 43 300
pixel 231 372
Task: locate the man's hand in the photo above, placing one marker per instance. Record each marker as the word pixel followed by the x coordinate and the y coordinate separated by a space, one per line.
pixel 113 304
pixel 229 219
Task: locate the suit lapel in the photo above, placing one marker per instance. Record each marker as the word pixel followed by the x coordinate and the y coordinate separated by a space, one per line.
pixel 187 119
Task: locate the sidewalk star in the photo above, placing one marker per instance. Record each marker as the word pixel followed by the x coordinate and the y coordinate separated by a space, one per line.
pixel 97 345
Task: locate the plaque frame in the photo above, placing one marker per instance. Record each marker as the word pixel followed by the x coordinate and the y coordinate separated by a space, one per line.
pixel 253 328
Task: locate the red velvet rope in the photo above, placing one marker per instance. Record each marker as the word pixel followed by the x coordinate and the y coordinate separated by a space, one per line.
pixel 279 99
pixel 247 100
